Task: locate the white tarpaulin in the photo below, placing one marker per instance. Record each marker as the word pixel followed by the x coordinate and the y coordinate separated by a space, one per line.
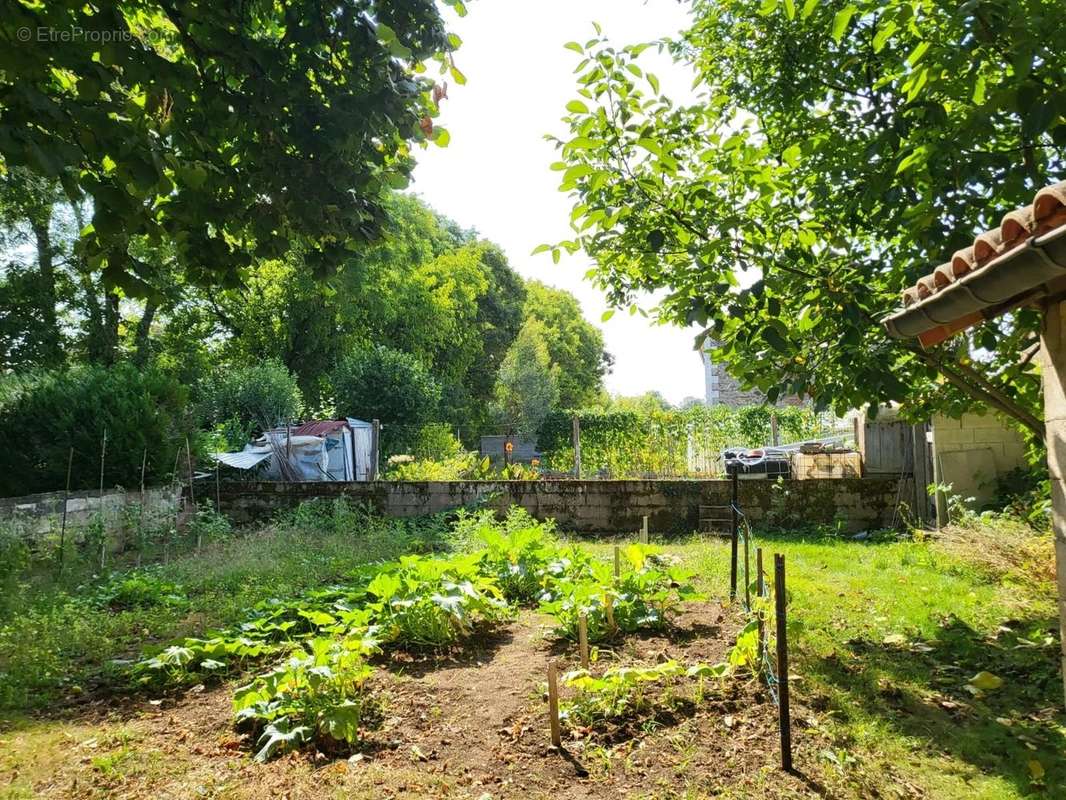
pixel 306 456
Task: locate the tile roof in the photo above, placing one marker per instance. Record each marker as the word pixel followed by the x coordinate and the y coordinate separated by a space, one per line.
pixel 1046 213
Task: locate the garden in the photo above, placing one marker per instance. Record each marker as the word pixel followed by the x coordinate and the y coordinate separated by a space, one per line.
pixel 334 653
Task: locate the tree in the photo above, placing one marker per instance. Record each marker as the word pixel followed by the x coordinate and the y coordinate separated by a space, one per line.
pixel 45 413
pixel 527 388
pixel 836 152
pixel 254 397
pixel 575 346
pixel 227 129
pixel 381 383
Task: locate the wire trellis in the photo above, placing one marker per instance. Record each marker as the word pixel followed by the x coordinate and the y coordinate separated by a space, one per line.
pixel 767 665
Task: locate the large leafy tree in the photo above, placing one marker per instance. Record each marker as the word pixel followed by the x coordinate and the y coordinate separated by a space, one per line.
pixel 226 129
pixel 527 388
pixel 834 152
pixel 574 345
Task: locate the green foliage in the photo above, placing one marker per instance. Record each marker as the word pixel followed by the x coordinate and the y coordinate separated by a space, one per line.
pixel 318 693
pixel 643 596
pixel 44 414
pixel 828 159
pixel 389 385
pixel 423 602
pixel 247 399
pixel 14 558
pixel 162 125
pixel 527 387
pixel 141 588
pixel 633 441
pixel 626 692
pixel 575 346
pixel 517 554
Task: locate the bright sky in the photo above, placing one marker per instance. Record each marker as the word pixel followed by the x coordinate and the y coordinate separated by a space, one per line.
pixel 494 174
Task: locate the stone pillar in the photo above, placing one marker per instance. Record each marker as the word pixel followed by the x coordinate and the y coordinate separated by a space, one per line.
pixel 1054 355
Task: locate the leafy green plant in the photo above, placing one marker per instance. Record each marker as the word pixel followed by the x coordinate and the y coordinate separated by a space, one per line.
pixel 517 554
pixel 432 602
pixel 195 659
pixel 318 693
pixel 209 526
pixel 627 692
pixel 642 596
pixel 138 589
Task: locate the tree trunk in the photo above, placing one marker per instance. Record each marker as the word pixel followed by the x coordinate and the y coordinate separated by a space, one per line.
pixel 53 351
pixel 142 339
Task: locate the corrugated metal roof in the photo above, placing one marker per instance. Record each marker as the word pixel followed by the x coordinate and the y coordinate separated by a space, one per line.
pixel 321 427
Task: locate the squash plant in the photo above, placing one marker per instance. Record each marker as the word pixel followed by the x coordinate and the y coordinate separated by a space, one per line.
pixel 641 597
pixel 624 692
pixel 319 693
pixel 433 602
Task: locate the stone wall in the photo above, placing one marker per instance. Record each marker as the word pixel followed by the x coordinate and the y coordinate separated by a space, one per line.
pixel 41 515
pixel 597 507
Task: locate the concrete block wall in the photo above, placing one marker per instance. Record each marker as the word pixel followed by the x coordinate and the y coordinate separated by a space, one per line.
pixel 595 507
pixel 974 451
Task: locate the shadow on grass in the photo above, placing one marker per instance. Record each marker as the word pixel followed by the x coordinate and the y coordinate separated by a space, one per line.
pixel 919 689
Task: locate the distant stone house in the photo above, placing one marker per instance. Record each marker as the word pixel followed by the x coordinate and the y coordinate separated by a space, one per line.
pixel 722 389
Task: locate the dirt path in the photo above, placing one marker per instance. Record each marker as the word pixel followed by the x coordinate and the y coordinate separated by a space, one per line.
pixel 472 725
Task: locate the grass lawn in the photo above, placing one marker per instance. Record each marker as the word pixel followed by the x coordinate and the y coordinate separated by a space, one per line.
pixel 886 637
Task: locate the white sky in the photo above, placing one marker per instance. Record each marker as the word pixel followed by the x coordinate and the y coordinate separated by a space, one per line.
pixel 494 174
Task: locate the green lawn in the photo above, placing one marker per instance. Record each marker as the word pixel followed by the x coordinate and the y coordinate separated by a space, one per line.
pixel 886 636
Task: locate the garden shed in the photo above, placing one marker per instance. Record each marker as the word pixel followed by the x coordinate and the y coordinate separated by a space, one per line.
pixel 320 450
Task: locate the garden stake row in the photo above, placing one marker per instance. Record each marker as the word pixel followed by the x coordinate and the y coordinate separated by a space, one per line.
pixel 776 680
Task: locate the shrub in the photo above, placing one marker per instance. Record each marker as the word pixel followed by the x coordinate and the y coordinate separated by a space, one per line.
pixel 388 385
pixel 242 400
pixel 44 414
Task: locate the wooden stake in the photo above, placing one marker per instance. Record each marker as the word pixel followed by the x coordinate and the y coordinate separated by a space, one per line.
pixel 644 531
pixel 553 704
pixel 760 591
pixel 103 518
pixel 747 574
pixel 583 640
pixel 733 540
pixel 66 502
pixel 782 663
pixel 617 561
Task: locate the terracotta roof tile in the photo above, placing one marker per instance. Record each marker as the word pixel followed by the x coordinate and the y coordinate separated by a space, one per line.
pixel 1047 212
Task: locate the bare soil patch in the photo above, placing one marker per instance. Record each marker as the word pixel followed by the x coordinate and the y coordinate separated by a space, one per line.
pixel 462 725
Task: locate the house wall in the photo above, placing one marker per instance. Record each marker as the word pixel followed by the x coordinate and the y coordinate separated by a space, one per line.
pixel 972 452
pixel 595 507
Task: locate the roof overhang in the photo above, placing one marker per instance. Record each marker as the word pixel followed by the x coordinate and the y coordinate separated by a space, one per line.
pixel 1016 278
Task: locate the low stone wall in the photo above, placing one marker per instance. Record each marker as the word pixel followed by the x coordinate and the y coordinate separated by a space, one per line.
pixel 597 507
pixel 40 515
